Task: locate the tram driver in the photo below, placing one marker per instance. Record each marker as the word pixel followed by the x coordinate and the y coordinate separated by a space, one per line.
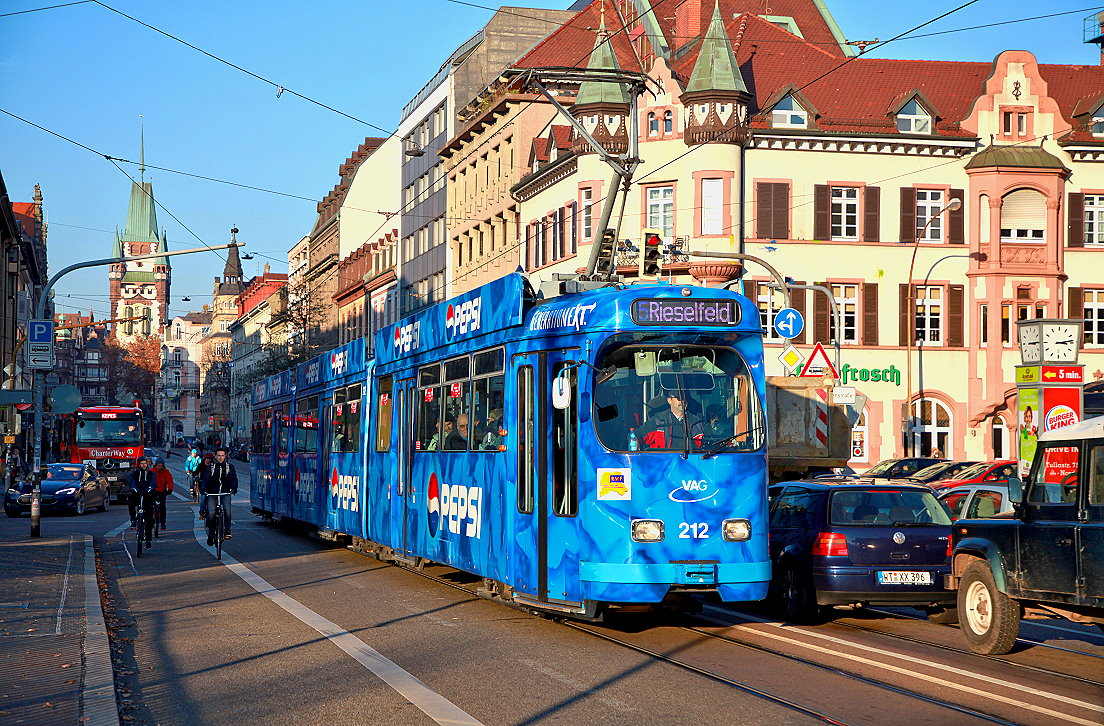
pixel 668 428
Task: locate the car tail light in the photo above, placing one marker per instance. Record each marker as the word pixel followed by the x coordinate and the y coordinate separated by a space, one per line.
pixel 830 544
pixel 950 545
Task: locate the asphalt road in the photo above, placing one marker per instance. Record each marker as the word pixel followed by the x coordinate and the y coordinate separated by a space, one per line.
pixel 290 630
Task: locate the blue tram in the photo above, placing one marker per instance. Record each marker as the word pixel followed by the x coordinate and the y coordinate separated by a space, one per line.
pixel 606 448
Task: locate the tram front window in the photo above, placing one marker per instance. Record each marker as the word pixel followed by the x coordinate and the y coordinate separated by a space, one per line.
pixel 677 398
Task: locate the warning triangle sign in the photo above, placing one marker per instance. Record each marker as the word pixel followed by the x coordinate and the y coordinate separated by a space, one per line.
pixel 818 364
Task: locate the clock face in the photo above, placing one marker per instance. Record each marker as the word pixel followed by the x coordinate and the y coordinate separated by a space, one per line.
pixel 1029 344
pixel 1060 343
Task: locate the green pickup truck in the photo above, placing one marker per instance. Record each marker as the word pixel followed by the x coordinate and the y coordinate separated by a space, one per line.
pixel 1048 556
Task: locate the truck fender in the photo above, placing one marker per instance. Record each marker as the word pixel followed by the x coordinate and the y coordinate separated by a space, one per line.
pixel 978 548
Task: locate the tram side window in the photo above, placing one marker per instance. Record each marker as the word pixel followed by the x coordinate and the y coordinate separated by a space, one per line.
pixel 262 431
pixel 429 426
pixel 526 424
pixel 383 414
pixel 457 406
pixel 487 400
pixel 337 422
pixel 282 423
pixel 346 420
pixel 565 500
pixel 306 425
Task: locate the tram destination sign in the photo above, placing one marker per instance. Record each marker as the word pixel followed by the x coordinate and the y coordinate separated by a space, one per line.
pixel 674 311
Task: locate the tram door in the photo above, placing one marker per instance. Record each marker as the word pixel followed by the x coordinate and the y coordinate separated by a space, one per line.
pixel 547 481
pixel 402 499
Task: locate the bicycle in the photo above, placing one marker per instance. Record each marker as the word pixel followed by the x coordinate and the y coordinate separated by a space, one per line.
pixel 140 520
pixel 220 523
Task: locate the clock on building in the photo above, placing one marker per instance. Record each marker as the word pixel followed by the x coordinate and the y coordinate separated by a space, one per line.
pixel 1050 341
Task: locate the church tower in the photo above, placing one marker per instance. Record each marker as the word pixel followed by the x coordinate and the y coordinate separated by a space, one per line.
pixel 141 287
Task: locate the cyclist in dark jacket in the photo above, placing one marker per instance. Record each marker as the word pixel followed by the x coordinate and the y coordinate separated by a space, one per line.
pixel 219 478
pixel 143 483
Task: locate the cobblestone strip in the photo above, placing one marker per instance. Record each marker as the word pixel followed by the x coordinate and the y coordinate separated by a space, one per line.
pixel 98 688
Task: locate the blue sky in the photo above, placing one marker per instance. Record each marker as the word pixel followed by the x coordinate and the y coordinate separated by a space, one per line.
pixel 92 75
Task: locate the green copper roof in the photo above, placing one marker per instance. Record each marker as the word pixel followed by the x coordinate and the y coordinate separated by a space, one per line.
pixel 136 276
pixel 1032 157
pixel 141 224
pixel 716 68
pixel 162 246
pixel 117 248
pixel 601 92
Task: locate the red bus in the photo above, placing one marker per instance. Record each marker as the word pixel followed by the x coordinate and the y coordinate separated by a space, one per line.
pixel 109 438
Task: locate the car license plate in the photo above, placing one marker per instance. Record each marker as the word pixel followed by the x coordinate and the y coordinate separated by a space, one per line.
pixel 904 578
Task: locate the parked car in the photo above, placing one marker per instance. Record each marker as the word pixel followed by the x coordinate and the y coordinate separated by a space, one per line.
pixel 990 472
pixel 847 542
pixel 977 501
pixel 69 488
pixel 1044 559
pixel 935 472
pixel 899 468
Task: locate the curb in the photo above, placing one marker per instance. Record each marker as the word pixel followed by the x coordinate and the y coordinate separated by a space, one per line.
pixel 98 689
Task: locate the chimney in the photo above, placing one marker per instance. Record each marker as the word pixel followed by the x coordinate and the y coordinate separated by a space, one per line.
pixel 688 17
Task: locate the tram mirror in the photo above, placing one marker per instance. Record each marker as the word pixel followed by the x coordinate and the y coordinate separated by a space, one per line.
pixel 644 361
pixel 605 374
pixel 561 390
pixel 686 381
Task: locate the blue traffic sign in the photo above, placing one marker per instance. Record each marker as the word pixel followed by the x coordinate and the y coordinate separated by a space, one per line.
pixel 40 331
pixel 789 323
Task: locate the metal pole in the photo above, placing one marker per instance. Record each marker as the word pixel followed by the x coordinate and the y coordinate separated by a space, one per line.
pixel 837 317
pixel 37 388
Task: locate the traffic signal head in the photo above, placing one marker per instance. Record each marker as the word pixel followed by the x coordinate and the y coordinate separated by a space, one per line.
pixel 651 257
pixel 608 251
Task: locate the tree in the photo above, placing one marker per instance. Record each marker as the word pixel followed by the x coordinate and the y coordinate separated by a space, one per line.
pixel 132 368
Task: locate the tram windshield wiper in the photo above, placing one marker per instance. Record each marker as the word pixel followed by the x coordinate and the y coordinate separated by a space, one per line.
pixel 723 443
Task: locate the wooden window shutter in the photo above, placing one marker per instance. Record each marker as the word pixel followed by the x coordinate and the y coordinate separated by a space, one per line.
pixel 821 322
pixel 908 215
pixel 872 214
pixel 797 302
pixel 822 212
pixel 956 225
pixel 956 316
pixel 1076 307
pixel 764 217
pixel 1075 237
pixel 870 313
pixel 780 223
pixel 905 325
pixel 751 291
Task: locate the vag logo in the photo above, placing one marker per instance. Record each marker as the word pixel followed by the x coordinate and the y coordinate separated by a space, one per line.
pixel 408 337
pixel 463 317
pixel 692 490
pixel 339 362
pixel 343 491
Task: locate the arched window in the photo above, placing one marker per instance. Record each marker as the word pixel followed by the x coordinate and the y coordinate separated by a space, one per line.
pixel 653 124
pixel 931 435
pixel 789 114
pixel 1023 216
pixel 914 119
pixel 668 122
pixel 1001 449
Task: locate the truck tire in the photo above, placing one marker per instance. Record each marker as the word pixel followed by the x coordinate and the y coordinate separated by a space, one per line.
pixel 990 620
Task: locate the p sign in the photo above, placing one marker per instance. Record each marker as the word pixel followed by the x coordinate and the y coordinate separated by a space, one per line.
pixel 789 323
pixel 40 331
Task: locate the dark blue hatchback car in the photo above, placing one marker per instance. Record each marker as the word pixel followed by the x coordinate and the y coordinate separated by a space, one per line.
pixel 849 543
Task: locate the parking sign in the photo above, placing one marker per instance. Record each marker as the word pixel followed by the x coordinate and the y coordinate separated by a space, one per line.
pixel 40 331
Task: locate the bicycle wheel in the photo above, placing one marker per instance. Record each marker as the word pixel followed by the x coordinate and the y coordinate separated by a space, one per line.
pixel 156 521
pixel 220 532
pixel 139 527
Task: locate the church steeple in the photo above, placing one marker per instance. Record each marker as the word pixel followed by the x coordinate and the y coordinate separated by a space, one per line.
pixel 232 272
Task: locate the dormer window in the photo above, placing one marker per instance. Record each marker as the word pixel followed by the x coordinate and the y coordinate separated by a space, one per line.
pixel 913 119
pixel 1096 126
pixel 789 114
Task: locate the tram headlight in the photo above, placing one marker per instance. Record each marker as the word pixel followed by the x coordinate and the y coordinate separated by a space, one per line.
pixel 647 530
pixel 736 530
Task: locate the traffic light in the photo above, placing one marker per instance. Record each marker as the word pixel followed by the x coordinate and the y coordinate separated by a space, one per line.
pixel 608 252
pixel 651 257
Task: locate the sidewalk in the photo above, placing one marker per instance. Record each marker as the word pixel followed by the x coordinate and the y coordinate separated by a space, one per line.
pixel 54 650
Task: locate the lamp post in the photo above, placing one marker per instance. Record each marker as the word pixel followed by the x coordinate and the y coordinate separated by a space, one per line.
pixel 37 386
pixel 906 415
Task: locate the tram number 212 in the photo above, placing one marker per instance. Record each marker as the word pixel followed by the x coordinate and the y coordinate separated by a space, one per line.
pixel 693 530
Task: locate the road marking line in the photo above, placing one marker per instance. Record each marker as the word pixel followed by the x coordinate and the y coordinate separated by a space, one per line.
pixel 433 704
pixel 118 530
pixel 64 587
pixel 936 667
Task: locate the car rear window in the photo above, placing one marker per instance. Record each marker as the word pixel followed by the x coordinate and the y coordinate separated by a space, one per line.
pixel 886 507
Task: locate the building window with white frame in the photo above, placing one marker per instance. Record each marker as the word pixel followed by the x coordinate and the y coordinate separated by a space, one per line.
pixel 712 206
pixel 929 202
pixel 1094 317
pixel 845 213
pixel 847 299
pixel 668 122
pixel 661 210
pixel 913 119
pixel 653 124
pixel 931 428
pixel 1023 216
pixel 1094 219
pixel 1096 126
pixel 770 302
pixel 788 114
pixel 586 205
pixel 929 314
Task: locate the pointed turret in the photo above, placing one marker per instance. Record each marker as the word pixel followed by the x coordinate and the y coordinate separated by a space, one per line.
pixel 716 96
pixel 232 272
pixel 602 107
pixel 602 58
pixel 716 68
pixel 117 248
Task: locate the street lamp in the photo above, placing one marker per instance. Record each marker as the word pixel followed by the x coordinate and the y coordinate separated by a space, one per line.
pixel 911 320
pixel 37 387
